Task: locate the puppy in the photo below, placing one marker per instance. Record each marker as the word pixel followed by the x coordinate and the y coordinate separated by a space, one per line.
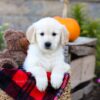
pixel 45 53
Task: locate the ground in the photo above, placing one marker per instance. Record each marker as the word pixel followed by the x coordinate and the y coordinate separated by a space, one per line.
pixel 94 95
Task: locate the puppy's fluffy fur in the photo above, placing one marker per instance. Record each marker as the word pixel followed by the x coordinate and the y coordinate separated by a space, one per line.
pixel 42 57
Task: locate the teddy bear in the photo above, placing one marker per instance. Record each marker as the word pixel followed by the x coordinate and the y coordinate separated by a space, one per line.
pixel 16 47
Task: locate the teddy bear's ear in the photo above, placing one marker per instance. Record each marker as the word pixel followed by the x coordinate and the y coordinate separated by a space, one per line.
pixel 24 44
pixel 7 34
pixel 30 34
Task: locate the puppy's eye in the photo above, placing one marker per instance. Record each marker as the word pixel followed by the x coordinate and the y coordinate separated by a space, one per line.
pixel 54 34
pixel 42 34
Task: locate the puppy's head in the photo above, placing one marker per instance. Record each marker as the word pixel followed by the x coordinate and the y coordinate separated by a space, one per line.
pixel 48 34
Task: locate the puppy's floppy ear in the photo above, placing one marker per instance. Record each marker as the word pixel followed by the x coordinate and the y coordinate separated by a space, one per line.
pixel 64 36
pixel 30 34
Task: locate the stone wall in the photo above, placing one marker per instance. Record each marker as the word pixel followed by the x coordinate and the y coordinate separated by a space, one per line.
pixel 21 13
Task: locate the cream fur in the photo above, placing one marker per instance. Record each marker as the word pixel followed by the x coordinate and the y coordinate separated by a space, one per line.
pixel 40 60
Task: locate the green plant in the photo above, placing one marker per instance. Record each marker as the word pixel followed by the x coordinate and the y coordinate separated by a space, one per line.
pixel 89 27
pixel 2 29
pixel 76 12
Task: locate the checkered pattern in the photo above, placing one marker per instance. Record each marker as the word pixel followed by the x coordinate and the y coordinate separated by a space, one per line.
pixel 22 86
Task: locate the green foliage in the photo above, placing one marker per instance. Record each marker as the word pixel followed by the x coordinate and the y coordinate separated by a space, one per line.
pixel 77 13
pixel 89 27
pixel 2 29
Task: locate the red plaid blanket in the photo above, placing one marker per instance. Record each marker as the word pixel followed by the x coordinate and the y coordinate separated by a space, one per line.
pixel 22 86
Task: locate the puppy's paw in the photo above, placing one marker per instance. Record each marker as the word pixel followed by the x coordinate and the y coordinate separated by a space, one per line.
pixel 56 81
pixel 41 83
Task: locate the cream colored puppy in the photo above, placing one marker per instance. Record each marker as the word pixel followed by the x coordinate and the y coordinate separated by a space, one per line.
pixel 45 54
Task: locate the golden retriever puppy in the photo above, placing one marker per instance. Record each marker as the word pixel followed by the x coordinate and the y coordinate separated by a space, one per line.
pixel 45 53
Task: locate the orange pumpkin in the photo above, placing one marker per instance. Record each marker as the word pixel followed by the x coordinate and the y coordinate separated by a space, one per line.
pixel 72 26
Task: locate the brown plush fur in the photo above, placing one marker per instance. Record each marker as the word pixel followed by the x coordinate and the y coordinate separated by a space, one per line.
pixel 17 45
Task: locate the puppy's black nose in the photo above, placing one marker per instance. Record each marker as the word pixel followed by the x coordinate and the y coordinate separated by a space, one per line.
pixel 47 45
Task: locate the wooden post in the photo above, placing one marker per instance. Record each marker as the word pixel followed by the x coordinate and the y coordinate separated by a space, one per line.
pixel 65 9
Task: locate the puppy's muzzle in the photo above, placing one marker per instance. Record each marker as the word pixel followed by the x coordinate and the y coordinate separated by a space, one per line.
pixel 47 45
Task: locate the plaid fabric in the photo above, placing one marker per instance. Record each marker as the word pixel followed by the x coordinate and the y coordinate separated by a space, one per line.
pixel 22 86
